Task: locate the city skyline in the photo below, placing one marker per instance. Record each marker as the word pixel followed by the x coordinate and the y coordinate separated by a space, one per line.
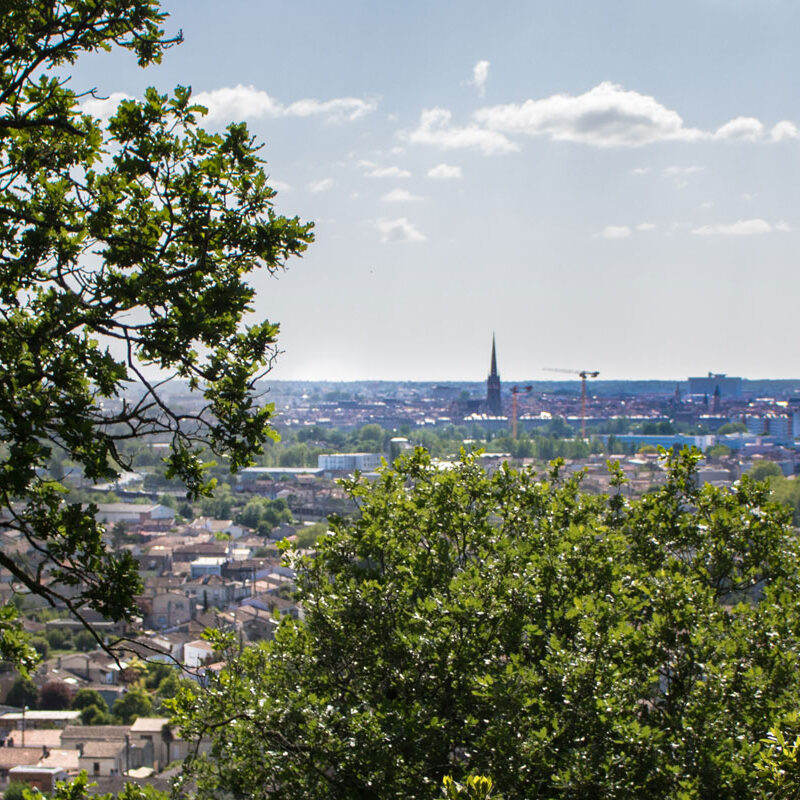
pixel 607 188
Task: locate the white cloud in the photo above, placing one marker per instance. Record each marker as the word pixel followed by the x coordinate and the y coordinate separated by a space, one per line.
pixel 444 171
pixel 435 128
pixel 640 170
pixel 480 72
pixel 103 109
pixel 321 185
pixel 784 131
pixel 398 230
pixel 615 232
pixel 747 129
pixel 400 196
pixel 742 227
pixel 384 172
pixel 645 226
pixel 605 116
pixel 280 186
pixel 247 102
pixel 610 116
pixel 674 172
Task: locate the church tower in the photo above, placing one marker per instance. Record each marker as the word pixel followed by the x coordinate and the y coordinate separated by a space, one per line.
pixel 493 403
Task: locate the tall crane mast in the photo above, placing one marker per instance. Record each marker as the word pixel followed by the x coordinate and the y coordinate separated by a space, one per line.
pixel 515 390
pixel 584 374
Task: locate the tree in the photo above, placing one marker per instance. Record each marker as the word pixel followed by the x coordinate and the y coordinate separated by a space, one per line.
pixel 134 703
pixel 566 645
pixel 124 255
pixel 16 790
pixel 23 692
pixel 732 427
pixel 55 696
pixel 88 697
pixel 765 469
pixel 78 788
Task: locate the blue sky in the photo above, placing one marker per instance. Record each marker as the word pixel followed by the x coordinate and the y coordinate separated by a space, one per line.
pixel 605 185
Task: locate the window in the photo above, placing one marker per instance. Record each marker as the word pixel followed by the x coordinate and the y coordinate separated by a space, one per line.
pixel 96 767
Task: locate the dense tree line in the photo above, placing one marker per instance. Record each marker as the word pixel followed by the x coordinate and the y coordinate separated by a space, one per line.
pixel 566 645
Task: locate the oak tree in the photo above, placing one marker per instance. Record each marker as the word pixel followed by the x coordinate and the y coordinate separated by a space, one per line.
pixel 509 625
pixel 125 250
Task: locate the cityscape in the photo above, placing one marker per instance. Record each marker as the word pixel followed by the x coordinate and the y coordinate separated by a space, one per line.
pixel 399 400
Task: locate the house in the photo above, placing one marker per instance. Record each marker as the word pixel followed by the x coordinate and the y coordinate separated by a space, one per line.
pixel 67 760
pixel 190 552
pixel 258 625
pixel 215 526
pixel 213 590
pixel 165 743
pixel 133 513
pixel 94 667
pixel 197 653
pixel 170 609
pixel 207 565
pixel 250 570
pixel 22 720
pixel 46 739
pixel 15 757
pixel 42 778
pixel 103 758
pixel 75 735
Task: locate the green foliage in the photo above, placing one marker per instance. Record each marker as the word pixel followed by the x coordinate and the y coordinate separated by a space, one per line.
pixel 220 506
pixel 308 535
pixel 23 692
pixel 78 789
pixel 84 641
pixel 169 687
pixel 14 644
pixel 568 645
pixel 59 639
pixel 476 787
pixel 96 715
pixel 16 790
pixel 134 703
pixel 122 246
pixel 779 763
pixel 88 697
pixel 787 491
pixel 732 427
pixel 40 645
pixel 156 672
pixel 765 469
pixel 718 450
pixel 263 514
pixel 656 428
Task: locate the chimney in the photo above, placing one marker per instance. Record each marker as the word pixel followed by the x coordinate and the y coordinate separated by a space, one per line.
pixel 45 751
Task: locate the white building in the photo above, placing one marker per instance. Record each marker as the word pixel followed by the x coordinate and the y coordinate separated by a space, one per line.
pixel 349 462
pixel 133 512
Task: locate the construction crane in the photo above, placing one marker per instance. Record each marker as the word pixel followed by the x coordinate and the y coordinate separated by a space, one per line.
pixel 515 390
pixel 584 373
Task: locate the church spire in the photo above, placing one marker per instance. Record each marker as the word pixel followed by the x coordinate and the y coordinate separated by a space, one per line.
pixel 494 403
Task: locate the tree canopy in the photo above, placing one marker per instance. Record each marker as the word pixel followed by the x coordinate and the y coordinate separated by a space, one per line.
pixel 512 626
pixel 125 249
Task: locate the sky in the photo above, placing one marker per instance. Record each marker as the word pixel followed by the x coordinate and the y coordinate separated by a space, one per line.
pixel 607 186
